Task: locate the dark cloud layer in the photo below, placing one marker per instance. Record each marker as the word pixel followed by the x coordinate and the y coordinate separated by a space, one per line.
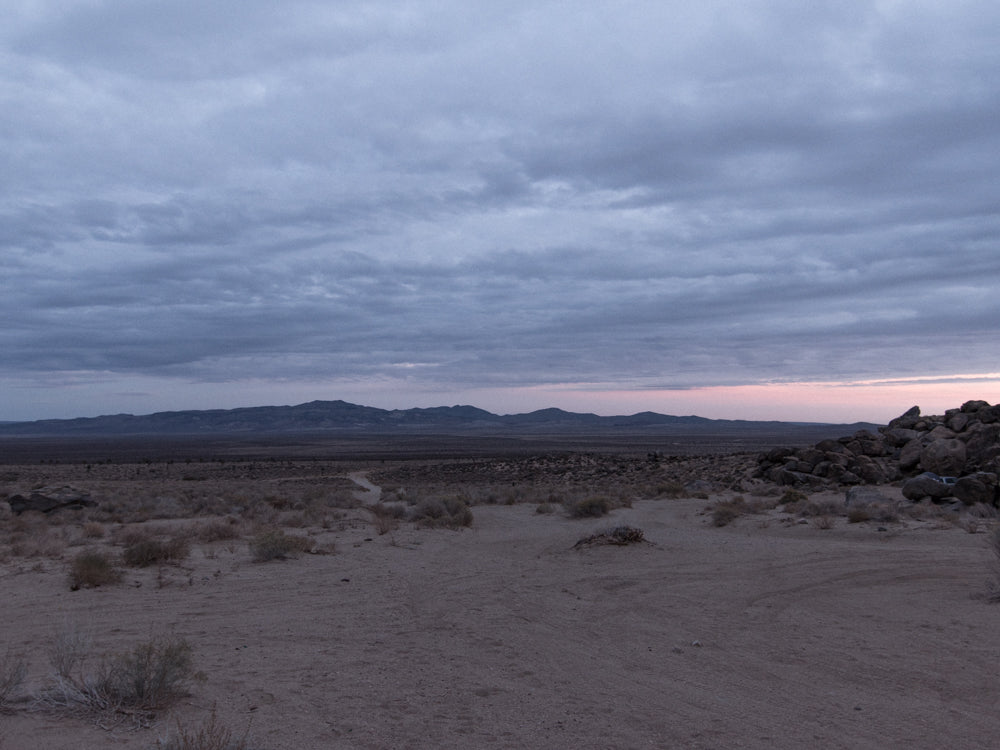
pixel 640 195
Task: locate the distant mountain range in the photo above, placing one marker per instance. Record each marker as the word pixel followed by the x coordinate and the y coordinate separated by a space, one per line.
pixel 346 418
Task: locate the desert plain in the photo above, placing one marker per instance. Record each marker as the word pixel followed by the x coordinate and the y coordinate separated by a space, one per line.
pixel 468 596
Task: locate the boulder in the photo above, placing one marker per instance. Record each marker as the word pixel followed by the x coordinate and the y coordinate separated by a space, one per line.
pixel 944 456
pixel 50 501
pixel 980 487
pixel 973 406
pixel 908 419
pixel 926 485
pixel 897 437
pixel 909 456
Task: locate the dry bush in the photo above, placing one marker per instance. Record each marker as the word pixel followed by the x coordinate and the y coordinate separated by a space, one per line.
pixel 385 518
pixel 618 535
pixel 148 552
pixel 450 512
pixel 593 506
pixel 821 507
pixel 218 530
pixel 92 568
pixel 724 512
pixel 858 514
pixel 823 522
pixel 133 684
pixel 544 508
pixel 209 735
pixel 12 671
pixel 92 530
pixel 275 544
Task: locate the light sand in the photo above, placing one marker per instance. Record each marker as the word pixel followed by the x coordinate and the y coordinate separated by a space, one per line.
pixel 760 634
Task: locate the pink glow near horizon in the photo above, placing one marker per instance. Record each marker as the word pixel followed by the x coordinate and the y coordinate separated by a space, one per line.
pixel 865 401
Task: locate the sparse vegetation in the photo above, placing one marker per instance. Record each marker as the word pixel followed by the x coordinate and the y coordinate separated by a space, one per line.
pixel 209 735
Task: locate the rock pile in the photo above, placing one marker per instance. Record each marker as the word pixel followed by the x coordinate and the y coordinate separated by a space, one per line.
pixel 954 455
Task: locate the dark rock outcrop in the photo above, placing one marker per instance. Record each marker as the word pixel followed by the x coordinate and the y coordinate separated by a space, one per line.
pixel 956 454
pixel 50 500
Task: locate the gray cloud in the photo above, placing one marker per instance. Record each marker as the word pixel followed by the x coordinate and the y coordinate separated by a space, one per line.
pixel 646 194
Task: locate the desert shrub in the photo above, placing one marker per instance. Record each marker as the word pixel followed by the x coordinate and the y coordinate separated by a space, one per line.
pixel 544 508
pixel 618 535
pixel 91 568
pixel 858 514
pixel 218 530
pixel 792 496
pixel 593 506
pixel 12 671
pixel 823 522
pixel 151 552
pixel 672 490
pixel 275 544
pixel 449 512
pixel 385 518
pixel 821 507
pixel 725 512
pixel 93 530
pixel 209 735
pixel 131 684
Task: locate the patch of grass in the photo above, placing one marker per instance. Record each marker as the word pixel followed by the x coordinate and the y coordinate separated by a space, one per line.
pixel 91 568
pixel 618 535
pixel 275 544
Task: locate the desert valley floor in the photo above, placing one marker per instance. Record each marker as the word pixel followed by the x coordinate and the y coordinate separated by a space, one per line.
pixel 446 603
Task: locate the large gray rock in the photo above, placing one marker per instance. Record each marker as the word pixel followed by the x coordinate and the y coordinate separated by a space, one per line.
pixel 897 437
pixel 980 487
pixel 974 406
pixel 945 456
pixel 909 456
pixel 926 485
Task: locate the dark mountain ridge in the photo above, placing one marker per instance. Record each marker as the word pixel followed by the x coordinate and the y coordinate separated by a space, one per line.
pixel 346 418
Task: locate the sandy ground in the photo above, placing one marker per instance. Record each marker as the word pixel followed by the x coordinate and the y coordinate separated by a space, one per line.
pixel 761 634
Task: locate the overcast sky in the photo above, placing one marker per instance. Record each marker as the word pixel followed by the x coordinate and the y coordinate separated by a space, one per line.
pixel 603 206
